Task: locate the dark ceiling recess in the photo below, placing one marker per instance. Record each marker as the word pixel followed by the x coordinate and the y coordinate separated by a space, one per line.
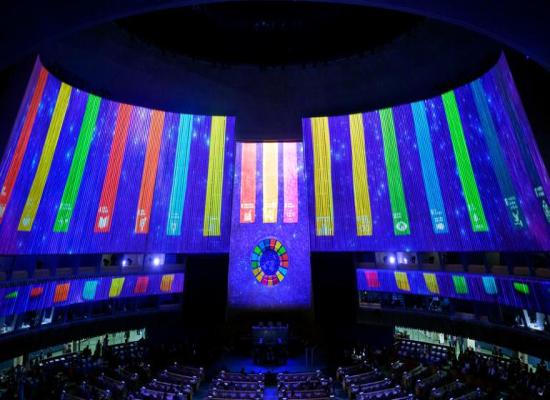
pixel 270 33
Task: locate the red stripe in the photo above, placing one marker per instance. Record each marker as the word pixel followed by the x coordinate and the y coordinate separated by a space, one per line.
pixel 22 142
pixel 248 183
pixel 143 215
pixel 37 291
pixel 141 284
pixel 114 166
pixel 372 279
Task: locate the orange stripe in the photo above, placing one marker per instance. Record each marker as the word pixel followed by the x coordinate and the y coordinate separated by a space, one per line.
pixel 114 166
pixel 143 215
pixel 21 147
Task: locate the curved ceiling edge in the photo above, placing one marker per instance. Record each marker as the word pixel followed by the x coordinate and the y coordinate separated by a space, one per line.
pixel 505 20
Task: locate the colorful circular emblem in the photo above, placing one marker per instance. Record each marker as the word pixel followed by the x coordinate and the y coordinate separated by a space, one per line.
pixel 269 262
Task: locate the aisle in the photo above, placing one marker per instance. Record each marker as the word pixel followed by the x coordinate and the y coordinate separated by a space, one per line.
pixel 270 393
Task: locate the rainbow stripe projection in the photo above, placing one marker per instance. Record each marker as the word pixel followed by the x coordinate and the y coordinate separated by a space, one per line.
pixel 269 254
pixel 270 189
pixel 456 172
pixel 527 293
pixel 82 174
pixel 41 295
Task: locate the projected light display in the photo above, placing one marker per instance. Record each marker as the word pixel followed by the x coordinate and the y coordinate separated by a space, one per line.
pixel 41 295
pixel 269 262
pixel 460 172
pixel 269 257
pixel 82 174
pixel 518 292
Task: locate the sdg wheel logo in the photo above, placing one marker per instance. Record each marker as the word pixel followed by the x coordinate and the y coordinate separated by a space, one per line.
pixel 269 262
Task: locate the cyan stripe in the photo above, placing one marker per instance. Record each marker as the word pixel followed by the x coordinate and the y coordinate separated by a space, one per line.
pixel 179 180
pixel 497 157
pixel 429 171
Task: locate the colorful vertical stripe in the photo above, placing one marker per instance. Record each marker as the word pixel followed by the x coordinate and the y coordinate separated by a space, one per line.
pixel 464 165
pixel 22 142
pixel 46 158
pixel 363 217
pixel 248 183
pixel 521 287
pixel 11 295
pixel 460 284
pixel 429 171
pixel 214 184
pixel 116 287
pixel 90 287
pixel 36 291
pixel 402 281
pixel 372 279
pixel 166 283
pixel 61 293
pixel 148 178
pixel 142 282
pixel 322 175
pixel 498 160
pixel 179 179
pixel 290 183
pixel 114 166
pixel 72 186
pixel 489 285
pixel 393 170
pixel 431 282
pixel 270 182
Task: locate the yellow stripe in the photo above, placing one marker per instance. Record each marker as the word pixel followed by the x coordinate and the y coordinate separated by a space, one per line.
pixel 363 217
pixel 402 281
pixel 320 137
pixel 431 282
pixel 270 181
pixel 116 287
pixel 213 205
pixel 37 188
pixel 166 283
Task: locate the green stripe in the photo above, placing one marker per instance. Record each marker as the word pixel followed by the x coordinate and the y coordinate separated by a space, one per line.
pixel 72 185
pixel 11 295
pixel 522 288
pixel 465 172
pixel 461 287
pixel 393 170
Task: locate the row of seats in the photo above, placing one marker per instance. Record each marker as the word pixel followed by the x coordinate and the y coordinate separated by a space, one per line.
pixel 176 382
pixel 364 381
pixel 304 385
pixel 237 386
pixel 102 382
pixel 355 369
pixel 424 352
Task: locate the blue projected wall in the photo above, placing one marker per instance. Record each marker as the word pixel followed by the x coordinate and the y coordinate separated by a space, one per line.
pixel 457 172
pixel 41 295
pixel 531 294
pixel 269 258
pixel 82 174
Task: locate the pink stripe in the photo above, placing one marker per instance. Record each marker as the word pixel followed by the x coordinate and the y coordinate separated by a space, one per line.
pixel 290 174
